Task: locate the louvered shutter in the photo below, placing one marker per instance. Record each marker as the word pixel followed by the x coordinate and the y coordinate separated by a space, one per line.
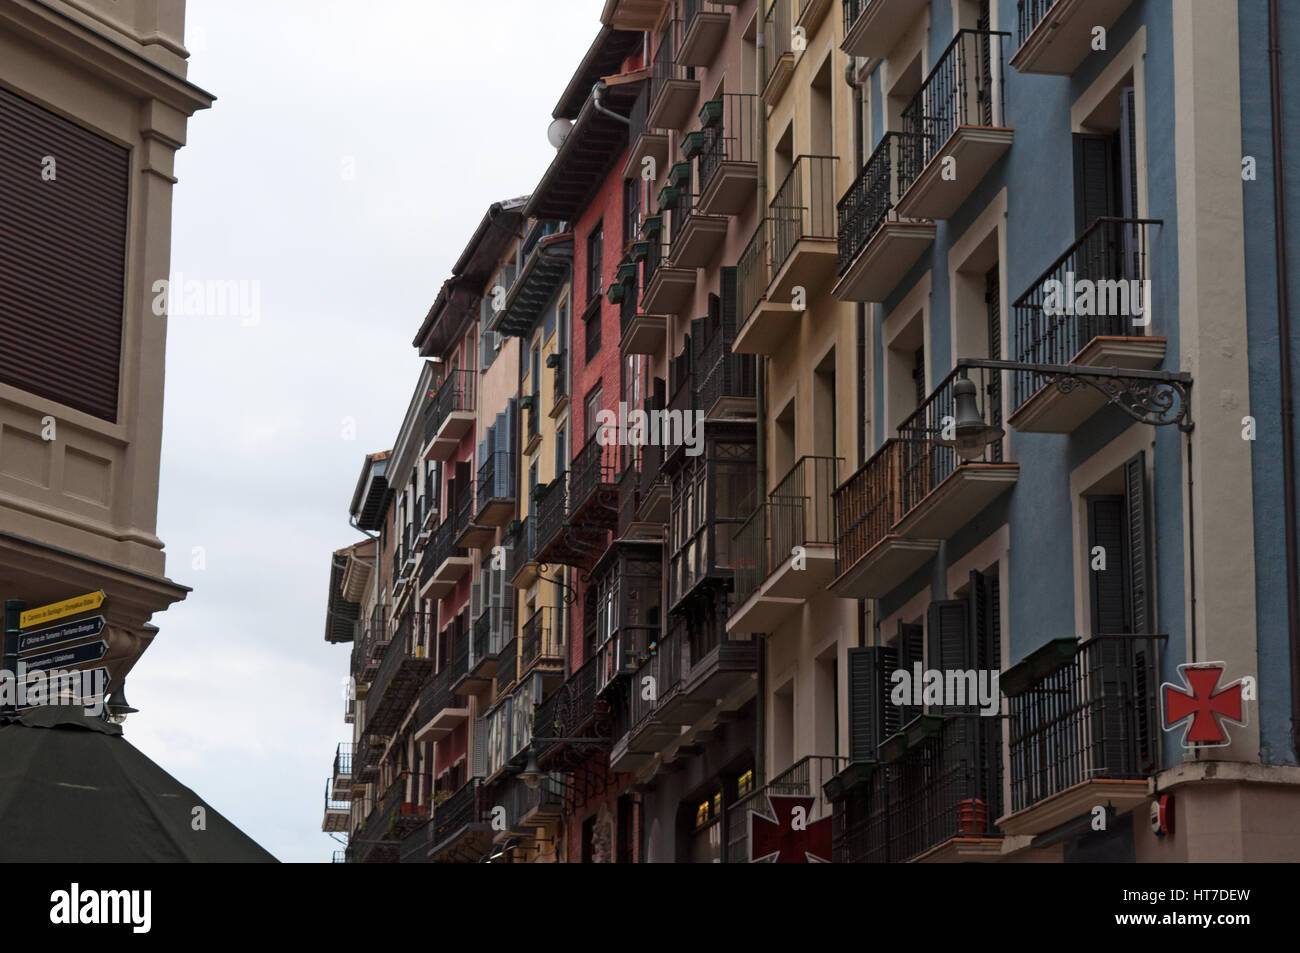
pixel 1094 180
pixel 479 756
pixel 501 457
pixel 476 596
pixel 1138 560
pixel 869 705
pixel 985 624
pixel 1107 586
pixel 950 637
pixel 911 649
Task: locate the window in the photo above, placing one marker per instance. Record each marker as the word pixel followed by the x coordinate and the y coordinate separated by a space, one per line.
pixel 631 209
pixel 593 333
pixel 591 408
pixel 595 243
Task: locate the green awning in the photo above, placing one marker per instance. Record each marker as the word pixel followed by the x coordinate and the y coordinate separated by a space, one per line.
pixel 73 790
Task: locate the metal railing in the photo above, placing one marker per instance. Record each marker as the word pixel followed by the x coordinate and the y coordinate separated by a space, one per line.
pixel 1094 717
pixel 455 394
pixel 456 813
pixel 465 500
pixel 567 711
pixel 444 548
pixel 460 645
pixel 491 628
pixel 803 206
pixel 1112 256
pixel 753 272
pixel 332 803
pixel 852 10
pixel 410 642
pixel 540 638
pixel 415 845
pixel 868 504
pixel 869 202
pixel 343 758
pixel 958 92
pixel 437 696
pixel 552 510
pixel 720 372
pixel 750 548
pixel 507 664
pixel 734 139
pixel 1029 14
pixel 496 478
pixel 595 469
pixel 664 66
pixel 926 463
pixel 778 36
pixel 802 506
pixel 804 778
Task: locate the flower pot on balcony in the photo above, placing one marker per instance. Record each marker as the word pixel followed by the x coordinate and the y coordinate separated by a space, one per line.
pixel 668 195
pixel 626 273
pixel 651 225
pixel 616 293
pixel 711 113
pixel 679 174
pixel 640 250
pixel 972 816
pixel 693 143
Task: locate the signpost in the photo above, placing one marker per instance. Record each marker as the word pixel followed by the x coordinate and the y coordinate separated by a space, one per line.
pixel 53 635
pixel 91 676
pixel 57 610
pixel 62 658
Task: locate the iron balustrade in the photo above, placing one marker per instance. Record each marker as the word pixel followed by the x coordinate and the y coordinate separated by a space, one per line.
pixel 693 8
pixel 655 253
pixel 664 67
pixel 567 711
pixel 1095 717
pixel 1030 14
pixel 340 857
pixel 438 696
pixel 524 546
pixel 490 630
pixel 460 644
pixel 595 468
pixel 750 548
pixel 627 308
pixel 869 202
pixel 507 664
pixel 623 653
pixel 958 92
pixel 560 385
pixel 332 803
pixel 456 813
pixel 734 139
pixel 465 500
pixel 753 272
pixel 638 118
pixel 415 845
pixel 535 412
pixel 366 758
pixel 778 36
pixel 411 641
pixel 926 464
pixel 1112 254
pixel 496 478
pixel 456 394
pixel 852 10
pixel 444 548
pixel 552 511
pixel 343 758
pixel 540 638
pixel 722 373
pixel 803 206
pixel 804 778
pixel 868 504
pixel 368 650
pixel 519 800
pixel 802 508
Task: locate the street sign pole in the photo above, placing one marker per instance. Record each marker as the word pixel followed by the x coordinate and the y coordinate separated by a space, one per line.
pixel 13 612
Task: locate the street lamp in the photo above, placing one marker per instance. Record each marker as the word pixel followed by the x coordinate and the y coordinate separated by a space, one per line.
pixel 971 434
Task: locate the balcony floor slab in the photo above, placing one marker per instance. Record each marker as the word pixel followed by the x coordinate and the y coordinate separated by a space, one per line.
pixel 886 565
pixel 975 150
pixel 958 499
pixel 884 261
pixel 1073 802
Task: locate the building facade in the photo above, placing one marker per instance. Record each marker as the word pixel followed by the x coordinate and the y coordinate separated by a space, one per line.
pixel 975 553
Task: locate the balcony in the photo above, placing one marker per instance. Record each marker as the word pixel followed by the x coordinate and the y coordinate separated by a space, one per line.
pixel 525 808
pixel 640 333
pixel 628 605
pixel 368 649
pixel 507 666
pixel 338 810
pixel 725 382
pixel 647 141
pixel 342 777
pixel 494 626
pixel 496 490
pixel 593 482
pixel 811 13
pixel 704 27
pixel 460 835
pixel 674 89
pixel 366 761
pixel 870 558
pixel 406 665
pixel 876 247
pixel 441 710
pixel 446 564
pixel 942 492
pixel 936 799
pixel 414 848
pixel 559 541
pixel 523 554
pixel 727 167
pixel 1056 35
pixel 1110 258
pixel 541 643
pixel 652 724
pixel 720 663
pixel 470 534
pixel 568 712
pixel 872 27
pixel 1084 728
pixel 391 820
pixel 449 416
pixel 764 323
pixel 786 551
pixel 666 288
pixel 778 51
pixel 804 779
pixel 953 130
pixel 697 238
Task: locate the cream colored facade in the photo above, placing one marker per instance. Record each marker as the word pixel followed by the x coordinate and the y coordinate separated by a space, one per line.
pixel 78 511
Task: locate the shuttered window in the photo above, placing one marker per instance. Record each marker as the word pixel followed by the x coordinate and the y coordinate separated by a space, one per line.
pixel 872 718
pixel 62 258
pixel 1121 593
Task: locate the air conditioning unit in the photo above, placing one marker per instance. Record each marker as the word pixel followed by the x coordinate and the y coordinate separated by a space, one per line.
pixel 553 360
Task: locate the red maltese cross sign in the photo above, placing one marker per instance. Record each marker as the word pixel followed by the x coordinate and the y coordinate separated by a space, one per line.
pixel 1203 705
pixel 792 838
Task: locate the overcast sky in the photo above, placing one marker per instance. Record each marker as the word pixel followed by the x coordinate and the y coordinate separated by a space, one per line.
pixel 353 148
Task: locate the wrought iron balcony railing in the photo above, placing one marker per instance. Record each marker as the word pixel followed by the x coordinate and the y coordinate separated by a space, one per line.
pixel 343 759
pixel 541 639
pixel 804 778
pixel 1112 255
pixel 491 629
pixel 719 372
pixel 407 662
pixel 456 813
pixel 1092 716
pixel 958 92
pixel 1029 14
pixel 552 510
pixel 778 36
pixel 465 508
pixel 496 478
pixel 753 272
pixel 595 472
pixel 664 67
pixel 750 549
pixel 567 711
pixel 733 139
pixel 439 695
pixel 802 506
pixel 868 504
pixel 803 207
pixel 507 665
pixel 455 394
pixel 852 10
pixel 926 463
pixel 869 202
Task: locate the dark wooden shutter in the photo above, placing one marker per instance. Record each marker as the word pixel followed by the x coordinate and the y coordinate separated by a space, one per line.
pixel 911 649
pixel 1138 560
pixel 1095 190
pixel 1107 586
pixel 62 259
pixel 950 636
pixel 993 307
pixel 985 625
pixel 870 709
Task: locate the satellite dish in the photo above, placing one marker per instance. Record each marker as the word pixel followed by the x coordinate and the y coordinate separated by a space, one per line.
pixel 558 131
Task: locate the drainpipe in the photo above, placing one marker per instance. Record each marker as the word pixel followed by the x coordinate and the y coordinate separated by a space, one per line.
pixel 760 399
pixel 598 93
pixel 864 436
pixel 1284 365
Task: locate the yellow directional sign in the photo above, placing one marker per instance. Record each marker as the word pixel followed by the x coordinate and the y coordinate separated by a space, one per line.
pixel 57 610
